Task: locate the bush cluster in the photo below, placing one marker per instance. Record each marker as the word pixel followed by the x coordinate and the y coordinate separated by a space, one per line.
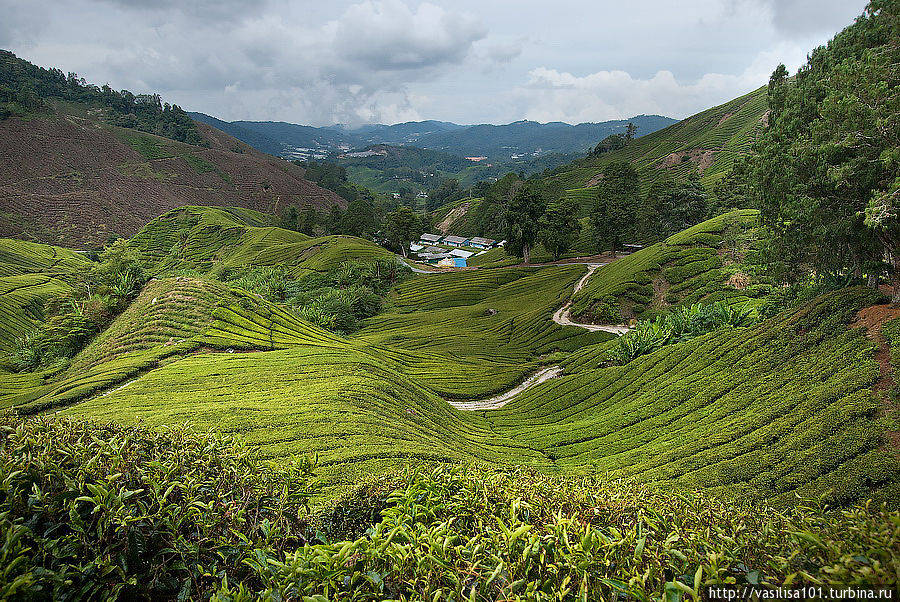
pixel 102 512
pixel 336 300
pixel 682 324
pixel 73 318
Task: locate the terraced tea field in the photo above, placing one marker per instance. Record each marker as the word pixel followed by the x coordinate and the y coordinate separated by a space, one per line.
pixel 783 408
pixel 207 238
pixel 686 268
pixel 707 142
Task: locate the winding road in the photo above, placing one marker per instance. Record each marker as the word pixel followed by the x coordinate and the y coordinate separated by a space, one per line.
pixel 563 314
pixel 501 400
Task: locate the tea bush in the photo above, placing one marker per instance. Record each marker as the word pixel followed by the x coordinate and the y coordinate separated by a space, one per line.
pixel 101 512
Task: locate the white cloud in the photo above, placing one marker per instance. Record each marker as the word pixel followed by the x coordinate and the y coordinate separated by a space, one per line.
pixel 551 95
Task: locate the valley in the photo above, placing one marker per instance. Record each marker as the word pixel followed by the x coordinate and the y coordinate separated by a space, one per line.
pixel 662 364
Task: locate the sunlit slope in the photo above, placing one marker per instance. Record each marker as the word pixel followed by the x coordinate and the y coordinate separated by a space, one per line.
pixel 686 268
pixel 31 273
pixel 782 408
pixel 207 238
pixel 707 142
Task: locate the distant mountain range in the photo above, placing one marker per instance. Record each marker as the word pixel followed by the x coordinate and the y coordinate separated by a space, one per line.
pixel 495 142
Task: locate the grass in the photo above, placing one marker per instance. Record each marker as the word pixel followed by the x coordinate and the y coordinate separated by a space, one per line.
pixel 686 268
pixel 150 147
pixel 202 166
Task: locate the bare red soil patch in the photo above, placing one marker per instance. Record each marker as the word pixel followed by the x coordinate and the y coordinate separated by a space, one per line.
pixel 702 157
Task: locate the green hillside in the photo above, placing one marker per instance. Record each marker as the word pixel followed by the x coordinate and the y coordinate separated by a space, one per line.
pixel 204 238
pixel 765 412
pixel 31 273
pixel 707 142
pixel 711 261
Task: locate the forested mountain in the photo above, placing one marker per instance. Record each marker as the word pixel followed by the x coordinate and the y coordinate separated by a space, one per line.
pixel 496 142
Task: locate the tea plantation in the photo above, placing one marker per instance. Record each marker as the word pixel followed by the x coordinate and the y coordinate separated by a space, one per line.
pixel 711 261
pixel 709 429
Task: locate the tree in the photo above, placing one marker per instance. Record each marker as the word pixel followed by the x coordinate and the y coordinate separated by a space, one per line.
pixel 290 218
pixel 608 144
pixel 307 221
pixel 359 219
pixel 334 221
pixel 401 227
pixel 522 217
pixel 688 205
pixel 630 131
pixel 615 212
pixel 447 192
pixel 560 226
pixel 825 167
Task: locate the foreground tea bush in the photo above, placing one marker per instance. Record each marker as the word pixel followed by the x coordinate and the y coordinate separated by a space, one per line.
pixel 101 512
pixel 477 534
pixel 98 512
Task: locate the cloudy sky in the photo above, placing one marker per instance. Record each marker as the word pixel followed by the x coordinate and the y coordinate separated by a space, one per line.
pixel 389 61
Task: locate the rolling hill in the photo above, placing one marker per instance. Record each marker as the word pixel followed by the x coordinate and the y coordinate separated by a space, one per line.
pixel 67 177
pixel 194 348
pixel 707 142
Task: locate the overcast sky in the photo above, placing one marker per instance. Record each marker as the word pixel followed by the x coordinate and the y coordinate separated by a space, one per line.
pixel 389 61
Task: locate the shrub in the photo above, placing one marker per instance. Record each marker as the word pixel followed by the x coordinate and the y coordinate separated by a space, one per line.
pixel 101 512
pixel 682 324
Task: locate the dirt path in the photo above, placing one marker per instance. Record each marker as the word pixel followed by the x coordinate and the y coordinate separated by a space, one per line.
pixel 872 318
pixel 563 315
pixel 501 400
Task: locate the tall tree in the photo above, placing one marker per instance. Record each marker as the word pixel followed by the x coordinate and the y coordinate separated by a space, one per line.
pixel 830 153
pixel 401 227
pixel 615 214
pixel 630 131
pixel 359 219
pixel 307 221
pixel 522 218
pixel 559 226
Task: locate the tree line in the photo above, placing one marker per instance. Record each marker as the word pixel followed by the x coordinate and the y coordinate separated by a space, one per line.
pixel 24 88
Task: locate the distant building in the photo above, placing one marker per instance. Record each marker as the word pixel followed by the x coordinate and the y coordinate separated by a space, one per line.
pixel 461 253
pixel 455 241
pixel 430 239
pixel 452 262
pixel 431 250
pixel 475 159
pixel 482 243
pixel 434 257
pixel 415 248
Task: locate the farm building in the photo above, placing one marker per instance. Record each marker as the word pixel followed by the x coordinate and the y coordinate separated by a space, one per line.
pixel 415 248
pixel 430 250
pixel 461 253
pixel 434 257
pixel 455 241
pixel 452 262
pixel 481 243
pixel 430 239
